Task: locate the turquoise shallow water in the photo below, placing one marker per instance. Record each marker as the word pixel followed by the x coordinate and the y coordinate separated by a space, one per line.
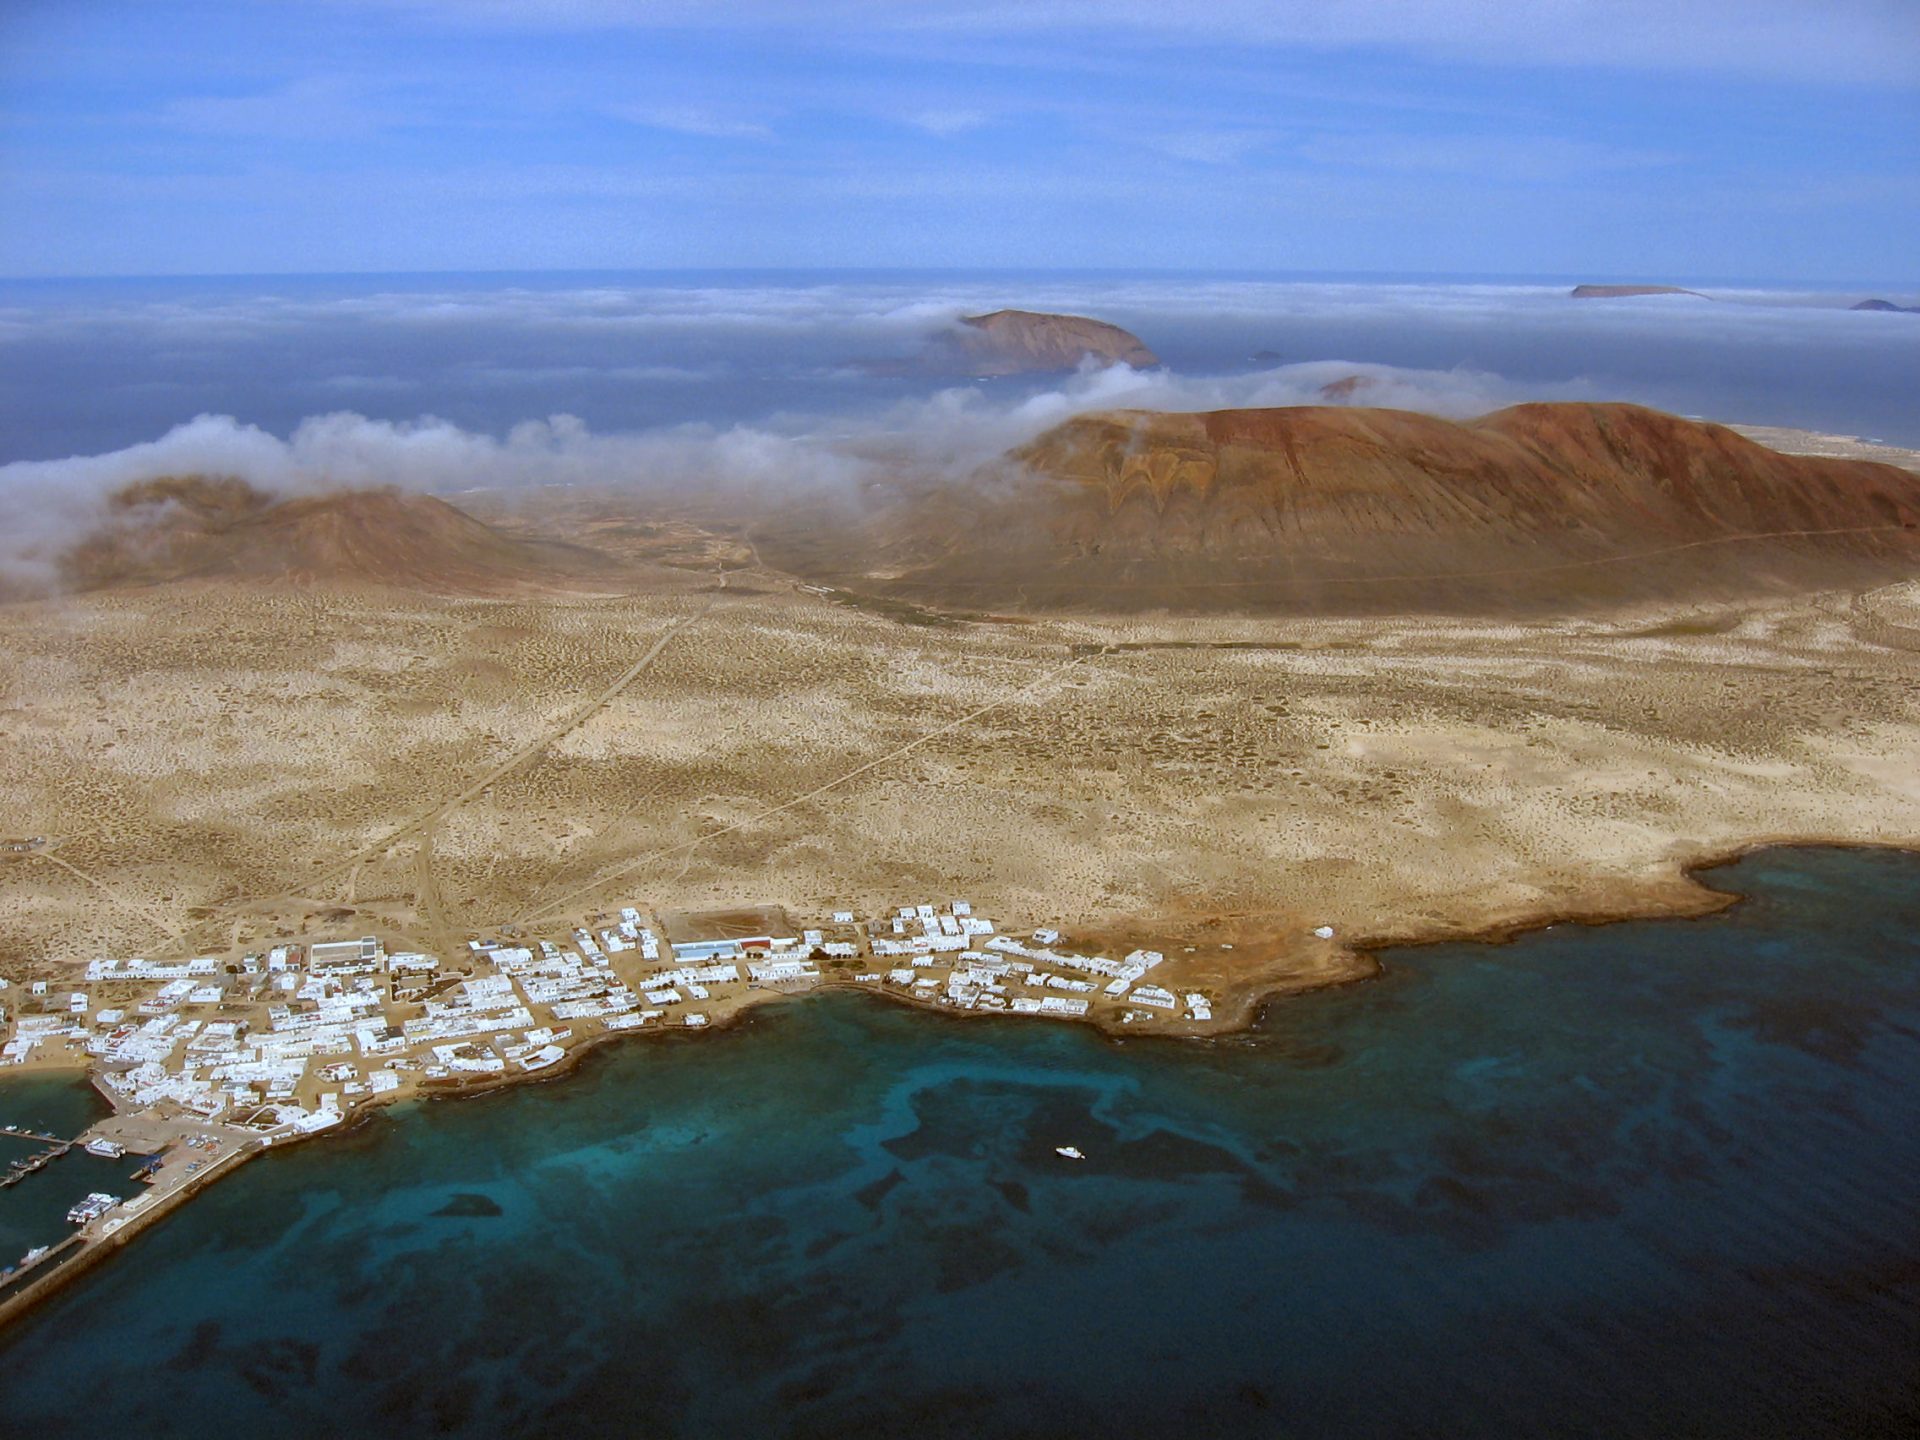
pixel 1648 1178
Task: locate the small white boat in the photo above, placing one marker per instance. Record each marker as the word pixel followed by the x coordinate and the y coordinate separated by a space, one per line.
pixel 92 1208
pixel 106 1149
pixel 1069 1152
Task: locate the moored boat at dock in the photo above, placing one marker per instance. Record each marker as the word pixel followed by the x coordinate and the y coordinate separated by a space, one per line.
pixel 92 1208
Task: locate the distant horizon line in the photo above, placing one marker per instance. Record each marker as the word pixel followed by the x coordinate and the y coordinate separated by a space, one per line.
pixel 1027 271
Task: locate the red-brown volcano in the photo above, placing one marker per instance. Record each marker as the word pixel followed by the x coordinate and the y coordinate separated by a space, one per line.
pixel 192 527
pixel 1322 508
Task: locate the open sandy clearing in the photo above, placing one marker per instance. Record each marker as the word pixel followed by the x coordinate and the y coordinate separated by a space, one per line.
pixel 238 763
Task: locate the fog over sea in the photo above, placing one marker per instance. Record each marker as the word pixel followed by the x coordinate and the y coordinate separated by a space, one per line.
pixel 658 369
pixel 1646 1179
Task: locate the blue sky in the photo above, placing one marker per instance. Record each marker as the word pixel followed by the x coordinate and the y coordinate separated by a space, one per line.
pixel 1766 139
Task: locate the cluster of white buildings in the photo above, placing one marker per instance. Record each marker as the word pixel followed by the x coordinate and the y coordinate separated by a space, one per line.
pixel 952 956
pixel 291 1040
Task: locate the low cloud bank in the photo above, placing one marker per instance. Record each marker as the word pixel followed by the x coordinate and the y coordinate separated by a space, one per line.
pixel 961 427
pixel 951 432
pixel 56 502
pixel 92 369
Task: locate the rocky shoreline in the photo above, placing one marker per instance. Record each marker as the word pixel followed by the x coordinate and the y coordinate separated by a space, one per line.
pixel 1679 894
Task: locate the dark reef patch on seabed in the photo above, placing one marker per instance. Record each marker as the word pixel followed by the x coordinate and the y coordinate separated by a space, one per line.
pixel 1648 1178
pixel 469 1206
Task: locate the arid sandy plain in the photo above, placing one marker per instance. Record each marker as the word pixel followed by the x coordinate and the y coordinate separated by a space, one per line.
pixel 214 765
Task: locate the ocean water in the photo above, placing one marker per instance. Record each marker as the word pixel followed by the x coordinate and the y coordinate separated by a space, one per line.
pixel 34 1211
pixel 92 367
pixel 1656 1178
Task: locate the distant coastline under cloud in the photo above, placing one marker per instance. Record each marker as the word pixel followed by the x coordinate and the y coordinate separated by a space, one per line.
pixel 793 456
pixel 92 367
pixel 713 382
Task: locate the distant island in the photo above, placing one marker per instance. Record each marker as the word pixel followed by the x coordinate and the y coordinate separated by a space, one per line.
pixel 1000 343
pixel 1022 342
pixel 1621 292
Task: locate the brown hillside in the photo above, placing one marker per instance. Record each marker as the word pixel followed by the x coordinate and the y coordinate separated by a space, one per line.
pixel 181 528
pixel 1353 509
pixel 1343 390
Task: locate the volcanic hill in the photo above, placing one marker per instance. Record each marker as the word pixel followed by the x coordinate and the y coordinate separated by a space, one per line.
pixel 1344 509
pixel 196 527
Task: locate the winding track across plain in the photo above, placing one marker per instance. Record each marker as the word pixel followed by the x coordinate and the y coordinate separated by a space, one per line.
pixel 112 894
pixel 575 718
pixel 627 868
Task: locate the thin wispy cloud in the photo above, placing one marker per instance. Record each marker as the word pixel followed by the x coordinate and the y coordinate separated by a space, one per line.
pixel 239 135
pixel 321 107
pixel 1211 147
pixel 1846 41
pixel 948 122
pixel 693 120
pixel 1510 157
